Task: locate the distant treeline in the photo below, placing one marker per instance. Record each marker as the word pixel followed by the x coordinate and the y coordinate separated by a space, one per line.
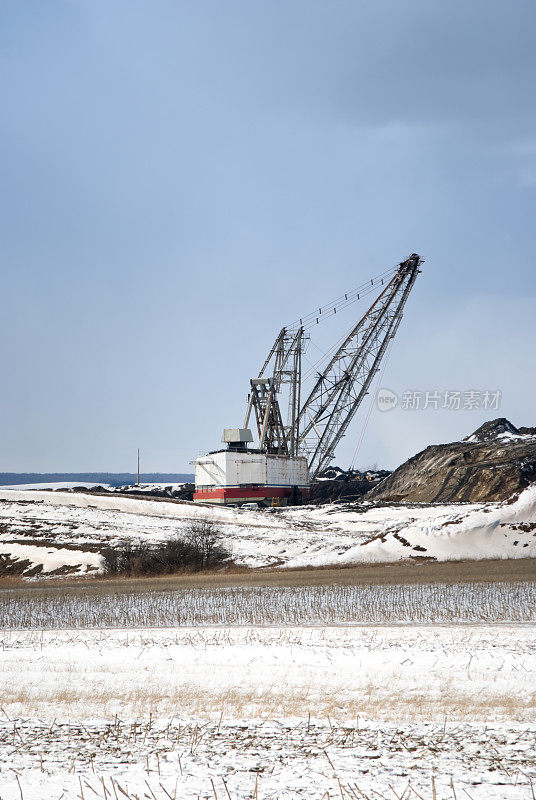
pixel 108 478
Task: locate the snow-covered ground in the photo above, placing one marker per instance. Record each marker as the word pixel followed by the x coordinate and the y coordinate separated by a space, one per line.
pixel 53 486
pixel 55 522
pixel 260 712
pixel 291 537
pixel 433 713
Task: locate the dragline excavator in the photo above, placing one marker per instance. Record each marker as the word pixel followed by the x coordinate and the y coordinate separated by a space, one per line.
pixel 293 448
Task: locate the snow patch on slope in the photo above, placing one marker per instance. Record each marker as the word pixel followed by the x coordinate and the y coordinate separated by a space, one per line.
pixel 52 559
pixel 293 537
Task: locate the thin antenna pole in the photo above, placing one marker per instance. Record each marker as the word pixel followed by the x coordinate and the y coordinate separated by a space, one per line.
pixel 138 466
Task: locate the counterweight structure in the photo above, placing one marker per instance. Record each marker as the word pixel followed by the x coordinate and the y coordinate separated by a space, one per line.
pixel 294 448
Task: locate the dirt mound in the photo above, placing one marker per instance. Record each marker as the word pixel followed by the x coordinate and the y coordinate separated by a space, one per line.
pixel 527 431
pixel 493 463
pixel 335 483
pixel 494 429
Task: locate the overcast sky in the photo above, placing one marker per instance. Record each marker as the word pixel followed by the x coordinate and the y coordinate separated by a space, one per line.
pixel 181 179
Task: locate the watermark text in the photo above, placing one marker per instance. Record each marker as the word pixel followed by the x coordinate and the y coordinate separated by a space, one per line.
pixel 439 399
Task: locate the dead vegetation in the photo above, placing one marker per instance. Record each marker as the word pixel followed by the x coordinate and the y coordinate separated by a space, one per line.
pixel 162 758
pixel 370 701
pixel 198 549
pixel 330 604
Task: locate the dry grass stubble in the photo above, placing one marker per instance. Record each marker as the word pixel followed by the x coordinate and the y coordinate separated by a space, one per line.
pixel 392 674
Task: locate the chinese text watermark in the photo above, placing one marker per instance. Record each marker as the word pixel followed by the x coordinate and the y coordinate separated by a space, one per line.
pixel 446 399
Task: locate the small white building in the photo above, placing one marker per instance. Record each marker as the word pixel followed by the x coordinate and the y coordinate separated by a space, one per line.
pixel 238 475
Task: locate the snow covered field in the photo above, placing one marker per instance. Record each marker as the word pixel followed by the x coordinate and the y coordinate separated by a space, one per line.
pixel 71 530
pixel 279 706
pixel 348 712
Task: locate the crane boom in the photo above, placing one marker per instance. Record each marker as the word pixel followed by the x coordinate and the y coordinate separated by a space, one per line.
pixel 339 390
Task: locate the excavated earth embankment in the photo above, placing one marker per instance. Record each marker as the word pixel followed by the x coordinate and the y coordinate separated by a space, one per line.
pixel 497 461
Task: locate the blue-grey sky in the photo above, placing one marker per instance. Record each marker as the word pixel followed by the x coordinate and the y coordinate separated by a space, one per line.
pixel 180 179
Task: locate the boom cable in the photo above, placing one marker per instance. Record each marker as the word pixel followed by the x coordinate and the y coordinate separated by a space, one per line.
pixel 340 303
pixel 334 347
pixel 378 382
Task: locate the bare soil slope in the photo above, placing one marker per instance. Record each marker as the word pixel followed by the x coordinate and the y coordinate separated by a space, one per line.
pixel 495 462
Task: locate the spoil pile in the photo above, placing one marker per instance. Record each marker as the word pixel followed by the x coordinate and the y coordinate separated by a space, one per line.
pixel 334 483
pixel 495 462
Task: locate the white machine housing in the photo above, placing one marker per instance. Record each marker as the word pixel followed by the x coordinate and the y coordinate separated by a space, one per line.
pixel 233 476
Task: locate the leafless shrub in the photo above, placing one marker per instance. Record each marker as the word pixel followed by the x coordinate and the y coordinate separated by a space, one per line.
pixel 199 549
pixel 205 539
